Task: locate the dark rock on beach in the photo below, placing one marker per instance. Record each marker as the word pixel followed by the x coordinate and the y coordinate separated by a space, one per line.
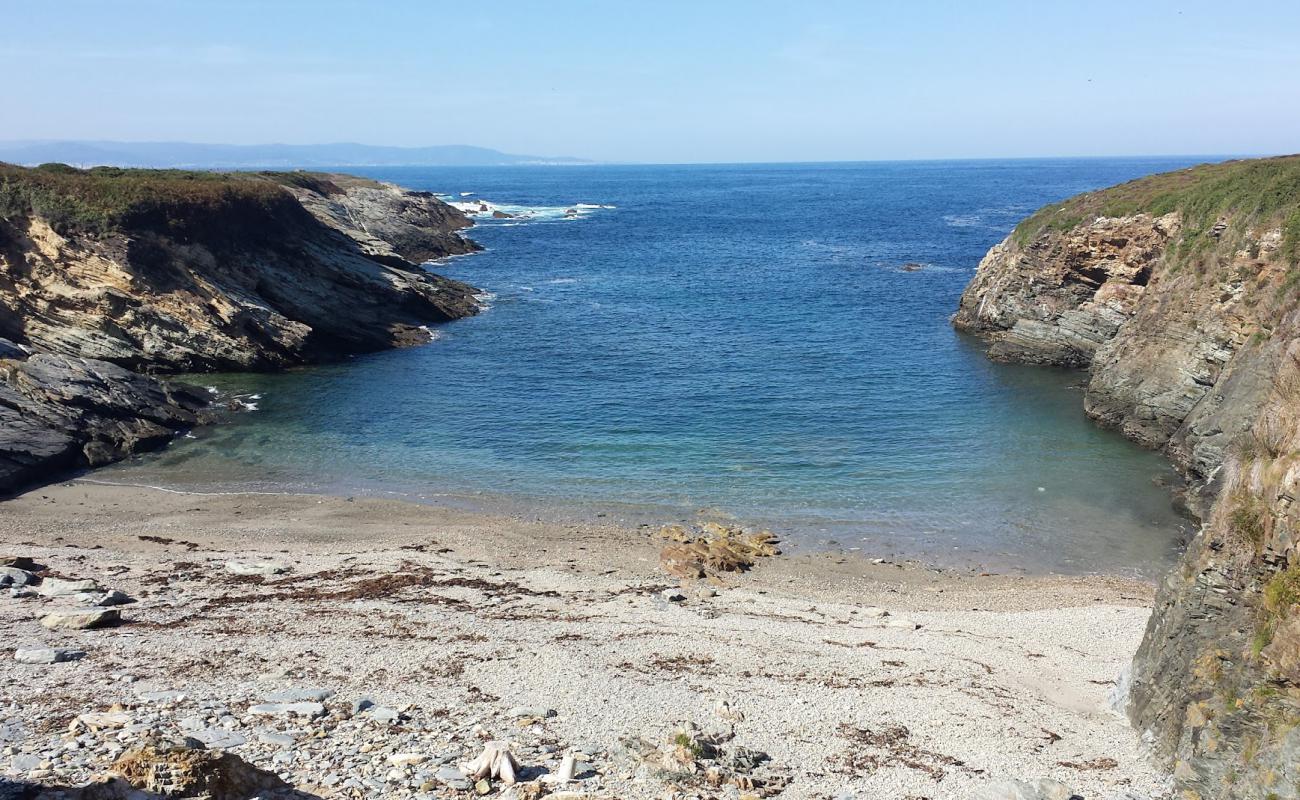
pixel 59 413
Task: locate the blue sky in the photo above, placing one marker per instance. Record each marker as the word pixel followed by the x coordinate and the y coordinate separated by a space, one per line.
pixel 664 81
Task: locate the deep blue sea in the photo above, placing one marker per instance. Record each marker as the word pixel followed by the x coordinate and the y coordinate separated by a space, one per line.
pixel 739 341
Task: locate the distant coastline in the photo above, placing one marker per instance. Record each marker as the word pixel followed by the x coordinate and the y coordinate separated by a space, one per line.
pixel 194 155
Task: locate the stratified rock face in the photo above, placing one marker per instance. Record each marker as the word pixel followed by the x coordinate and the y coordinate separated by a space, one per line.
pixel 59 413
pixel 247 279
pixel 1055 300
pixel 392 224
pixel 1177 294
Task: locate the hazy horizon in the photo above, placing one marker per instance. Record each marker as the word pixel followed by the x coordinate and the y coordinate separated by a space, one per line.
pixel 725 82
pixel 577 160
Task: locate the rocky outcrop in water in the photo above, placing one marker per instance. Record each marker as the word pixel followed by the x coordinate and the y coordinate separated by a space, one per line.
pixel 106 271
pixel 59 413
pixel 1178 294
pixel 391 224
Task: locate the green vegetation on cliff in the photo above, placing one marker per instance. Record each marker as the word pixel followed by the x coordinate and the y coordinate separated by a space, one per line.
pixel 1241 194
pixel 104 200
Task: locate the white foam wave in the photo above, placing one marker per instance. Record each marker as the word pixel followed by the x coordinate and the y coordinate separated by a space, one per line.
pixel 508 214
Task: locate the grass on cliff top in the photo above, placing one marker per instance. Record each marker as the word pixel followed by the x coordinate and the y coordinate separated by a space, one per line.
pixel 1243 193
pixel 106 199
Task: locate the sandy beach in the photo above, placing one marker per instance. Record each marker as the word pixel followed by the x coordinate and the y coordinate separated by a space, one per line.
pixel 816 676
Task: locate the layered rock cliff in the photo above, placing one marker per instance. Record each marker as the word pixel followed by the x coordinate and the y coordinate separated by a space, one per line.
pixel 1179 294
pixel 107 271
pixel 174 271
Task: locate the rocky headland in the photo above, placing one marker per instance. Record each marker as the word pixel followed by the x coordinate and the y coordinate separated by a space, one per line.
pixel 106 273
pixel 1179 294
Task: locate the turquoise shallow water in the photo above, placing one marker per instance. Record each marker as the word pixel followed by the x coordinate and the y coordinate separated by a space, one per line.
pixel 741 339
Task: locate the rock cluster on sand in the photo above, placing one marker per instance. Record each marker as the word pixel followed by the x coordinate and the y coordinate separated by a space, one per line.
pixel 711 549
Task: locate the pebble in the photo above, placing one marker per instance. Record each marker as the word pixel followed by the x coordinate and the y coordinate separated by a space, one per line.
pixel 285 709
pixel 452 778
pixel 384 715
pixel 161 696
pixel 277 739
pixel 298 695
pixel 112 597
pixel 219 739
pixel 900 622
pixel 101 720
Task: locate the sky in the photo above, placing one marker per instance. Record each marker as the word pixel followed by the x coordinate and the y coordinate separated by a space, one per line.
pixel 663 81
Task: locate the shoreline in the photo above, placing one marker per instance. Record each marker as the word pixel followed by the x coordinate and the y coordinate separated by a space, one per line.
pixel 439 609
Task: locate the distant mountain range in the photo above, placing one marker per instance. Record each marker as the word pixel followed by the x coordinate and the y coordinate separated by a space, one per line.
pixel 259 156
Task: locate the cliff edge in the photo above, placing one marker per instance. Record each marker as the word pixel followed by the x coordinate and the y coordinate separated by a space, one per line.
pixel 164 270
pixel 106 273
pixel 1179 294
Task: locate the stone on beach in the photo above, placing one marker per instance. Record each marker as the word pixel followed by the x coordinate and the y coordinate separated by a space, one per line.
pixel 101 720
pixel 540 712
pixel 112 597
pixel 453 778
pixel 305 709
pixel 298 695
pixel 58 587
pixel 184 772
pixel 713 549
pixel 13 576
pixel 76 619
pixel 46 655
pixel 247 568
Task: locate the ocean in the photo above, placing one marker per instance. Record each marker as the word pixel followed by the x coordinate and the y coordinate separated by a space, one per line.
pixel 761 343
